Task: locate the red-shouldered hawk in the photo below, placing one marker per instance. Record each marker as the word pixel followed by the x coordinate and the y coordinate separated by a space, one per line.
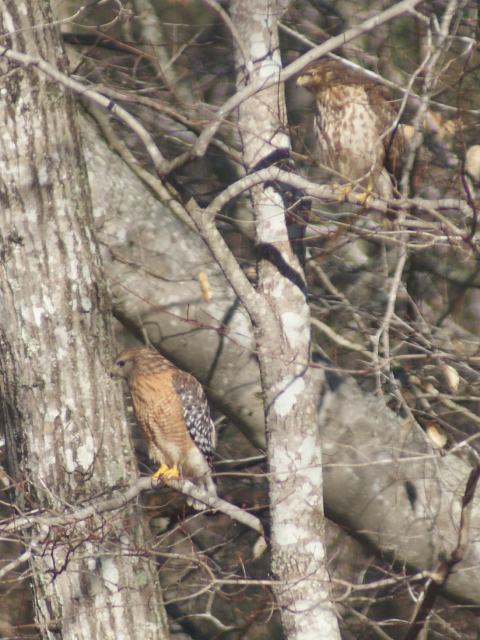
pixel 173 414
pixel 354 126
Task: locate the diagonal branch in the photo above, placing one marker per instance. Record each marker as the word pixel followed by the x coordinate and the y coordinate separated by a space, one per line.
pixel 121 496
pixel 28 60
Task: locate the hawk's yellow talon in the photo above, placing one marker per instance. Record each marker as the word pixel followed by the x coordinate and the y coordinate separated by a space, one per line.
pixel 169 473
pixel 172 474
pixel 343 192
pixel 160 471
pixel 363 199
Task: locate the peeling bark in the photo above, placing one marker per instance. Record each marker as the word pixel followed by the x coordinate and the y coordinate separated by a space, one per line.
pixel 64 420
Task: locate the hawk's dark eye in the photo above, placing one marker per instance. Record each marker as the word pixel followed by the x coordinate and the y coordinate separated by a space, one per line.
pixel 120 363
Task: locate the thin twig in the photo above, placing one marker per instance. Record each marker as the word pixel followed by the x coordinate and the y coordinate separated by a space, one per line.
pixel 122 496
pixel 338 339
pixel 27 60
pixel 11 566
pixel 297 66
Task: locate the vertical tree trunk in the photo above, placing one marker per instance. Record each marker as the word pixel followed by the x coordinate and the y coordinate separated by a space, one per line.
pixel 67 435
pixel 283 337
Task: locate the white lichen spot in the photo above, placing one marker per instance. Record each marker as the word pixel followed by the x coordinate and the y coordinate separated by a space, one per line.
pixel 86 453
pixel 308 448
pixel 8 23
pixel 62 354
pixel 38 313
pixel 37 310
pixel 268 69
pixel 281 463
pixel 69 461
pixel 91 564
pixel 120 231
pixel 272 217
pixel 287 533
pixel 288 391
pixel 309 461
pixel 315 550
pixel 43 176
pixel 110 574
pixel 48 304
pixel 85 303
pixel 258 49
pixel 125 540
pixel 295 329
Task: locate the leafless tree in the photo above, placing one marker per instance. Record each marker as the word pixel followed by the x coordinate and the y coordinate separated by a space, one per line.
pixel 222 243
pixel 66 435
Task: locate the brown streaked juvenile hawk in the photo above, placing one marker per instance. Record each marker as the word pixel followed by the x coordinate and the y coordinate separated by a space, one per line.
pixel 173 414
pixel 354 126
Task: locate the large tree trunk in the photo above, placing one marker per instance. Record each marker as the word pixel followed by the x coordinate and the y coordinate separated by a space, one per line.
pixel 66 431
pixel 282 328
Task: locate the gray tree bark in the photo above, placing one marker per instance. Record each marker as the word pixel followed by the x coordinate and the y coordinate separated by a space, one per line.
pixel 282 329
pixel 66 432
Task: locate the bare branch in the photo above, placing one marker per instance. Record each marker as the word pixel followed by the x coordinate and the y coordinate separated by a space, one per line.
pixel 11 566
pixel 205 225
pixel 27 60
pixel 328 193
pixel 333 43
pixel 121 497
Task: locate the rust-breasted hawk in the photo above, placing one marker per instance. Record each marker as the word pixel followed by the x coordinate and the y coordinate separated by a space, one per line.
pixel 173 414
pixel 354 126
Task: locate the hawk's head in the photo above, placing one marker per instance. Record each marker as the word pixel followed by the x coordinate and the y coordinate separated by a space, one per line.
pixel 124 364
pixel 326 74
pixel 138 361
pixel 319 75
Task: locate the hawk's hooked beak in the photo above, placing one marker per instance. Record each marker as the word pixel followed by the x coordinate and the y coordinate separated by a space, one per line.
pixel 115 372
pixel 119 370
pixel 302 80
